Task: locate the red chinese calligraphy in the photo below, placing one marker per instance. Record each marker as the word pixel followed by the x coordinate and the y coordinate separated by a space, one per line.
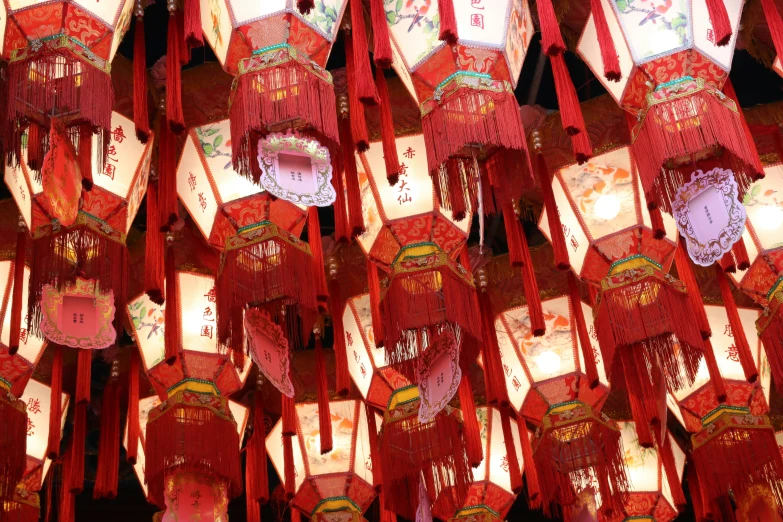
pixel 515 382
pixel 349 338
pixel 33 405
pixel 727 331
pixel 732 354
pixel 207 330
pixel 477 20
pixel 192 181
pixel 710 35
pixel 208 314
pixel 504 463
pixel 30 427
pixel 409 153
pixel 202 201
pixel 211 295
pixel 476 4
pixel 118 134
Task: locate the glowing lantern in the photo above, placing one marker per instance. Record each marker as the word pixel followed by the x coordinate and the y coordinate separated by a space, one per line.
pixel 210 501
pixel 673 63
pixel 263 261
pixel 547 384
pixel 333 486
pixel 464 87
pixel 195 412
pixel 277 56
pixel 643 317
pixel 25 505
pixel 92 244
pixel 734 444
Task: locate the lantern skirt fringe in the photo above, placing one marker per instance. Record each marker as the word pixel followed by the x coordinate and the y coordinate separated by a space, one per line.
pixel 13 444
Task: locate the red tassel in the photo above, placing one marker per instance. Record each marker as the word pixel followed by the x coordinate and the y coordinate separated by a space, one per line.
pixel 85 155
pixel 168 205
pixel 670 466
pixel 519 255
pixel 719 18
pixel 289 479
pixel 741 255
pixel 305 6
pixel 17 294
pixel 382 53
pixel 533 489
pixel 591 370
pixel 76 469
pixel 341 232
pixel 253 510
pixel 448 22
pixel 342 379
pixel 83 376
pixel 375 457
pixel 288 415
pixel 494 377
pixel 256 477
pixel 775 24
pixel 727 263
pixel 390 157
pixel 353 190
pixel 686 275
pixel 174 115
pixel 386 515
pixel 359 135
pixel 317 249
pixel 605 42
pixel 141 118
pixel 555 227
pixel 133 408
pixel 55 414
pixel 374 285
pixel 365 88
pixel 67 511
pixel 737 331
pixel 511 453
pixel 656 221
pixel 551 39
pixel 714 370
pixel 36 144
pixel 646 395
pixel 172 335
pixel 324 413
pixel 472 429
pixel 107 474
pixel 696 494
pixel 193 36
pixel 567 100
pixel 153 253
pixel 296 515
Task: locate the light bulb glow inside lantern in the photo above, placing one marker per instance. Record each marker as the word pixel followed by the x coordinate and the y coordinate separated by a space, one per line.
pixel 770 217
pixel 607 206
pixel 548 362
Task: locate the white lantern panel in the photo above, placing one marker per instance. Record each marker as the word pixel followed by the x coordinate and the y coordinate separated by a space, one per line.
pixel 704 36
pixel 674 408
pixel 399 67
pixel 197 316
pixel 725 348
pixel 195 190
pixel 517 383
pixel 373 223
pixel 362 463
pixel 139 188
pixel 603 193
pixel 147 319
pixel 30 346
pixel 414 27
pixel 655 28
pixel 679 464
pixel 764 206
pixel 499 472
pixel 216 24
pixel 572 228
pixel 339 459
pixel 38 399
pixel 107 10
pixel 481 22
pixel 363 354
pixel 123 156
pixel 123 23
pixel 243 12
pixel 325 17
pixel 589 50
pixel 214 148
pixel 274 448
pixel 587 313
pixel 641 464
pixel 520 31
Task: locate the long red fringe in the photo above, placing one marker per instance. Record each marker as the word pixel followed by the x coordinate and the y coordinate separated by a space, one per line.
pixel 193 34
pixel 775 24
pixel 342 234
pixel 494 378
pixel 107 474
pixel 184 437
pixel 55 414
pixel 316 247
pixel 472 430
pixel 83 375
pixel 555 226
pixel 608 52
pixel 688 277
pixel 408 447
pixel 67 507
pixel 382 52
pixel 13 444
pixel 133 407
pixel 287 92
pixel 37 144
pixel 375 456
pixel 353 190
pixel 154 271
pixel 570 111
pixel 714 370
pixel 85 155
pixel 374 287
pixel 551 39
pixel 390 157
pixel 531 475
pixel 448 22
pixel 737 330
pixel 76 468
pixel 591 370
pixel 721 25
pixel 324 412
pixel 342 379
pixel 360 137
pixel 365 88
pixel 670 466
pixel 770 328
pixel 167 203
pixel 174 115
pixel 25 509
pixel 256 477
pixel 172 339
pixel 646 394
pixel 718 126
pixel 740 252
pixel 511 453
pixel 141 118
pixel 289 479
pixel 16 295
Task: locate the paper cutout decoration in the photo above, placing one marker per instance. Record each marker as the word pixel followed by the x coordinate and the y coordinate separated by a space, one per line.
pixel 78 316
pixel 709 214
pixel 439 375
pixel 296 169
pixel 269 349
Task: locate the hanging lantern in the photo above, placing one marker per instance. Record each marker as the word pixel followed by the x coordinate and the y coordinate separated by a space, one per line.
pixel 464 84
pixel 733 442
pixel 429 295
pixel 25 505
pixel 674 61
pixel 277 56
pixel 263 262
pixel 492 492
pixel 210 495
pixel 91 244
pixel 194 412
pixel 332 486
pixel 60 56
pixel 548 385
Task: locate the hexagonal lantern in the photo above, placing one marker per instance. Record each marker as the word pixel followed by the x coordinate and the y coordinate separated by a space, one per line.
pixel 672 73
pixel 263 261
pixel 278 57
pixel 734 445
pixel 217 491
pixel 337 485
pixel 93 239
pixel 465 88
